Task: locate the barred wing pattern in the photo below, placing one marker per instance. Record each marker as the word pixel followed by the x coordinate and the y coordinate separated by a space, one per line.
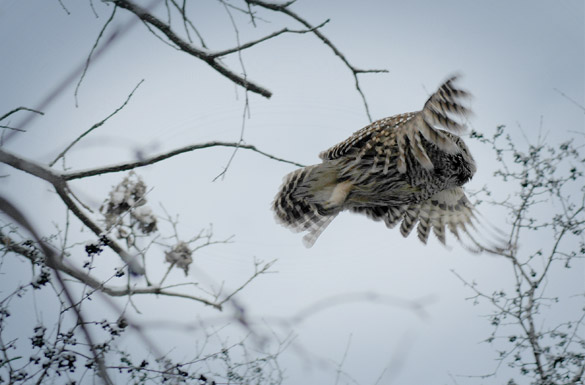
pixel 446 210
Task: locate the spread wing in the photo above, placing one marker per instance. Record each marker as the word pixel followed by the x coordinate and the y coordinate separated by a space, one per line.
pixel 441 117
pixel 449 210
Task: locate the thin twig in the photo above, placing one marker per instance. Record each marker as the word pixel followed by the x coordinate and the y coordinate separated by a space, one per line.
pixel 417 306
pixel 20 109
pixel 257 272
pixel 339 371
pixel 99 124
pixel 262 39
pixel 91 53
pixel 187 21
pixel 246 102
pixel 64 7
pixel 12 128
pixel 565 96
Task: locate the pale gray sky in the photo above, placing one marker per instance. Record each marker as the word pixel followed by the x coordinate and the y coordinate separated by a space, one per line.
pixel 514 56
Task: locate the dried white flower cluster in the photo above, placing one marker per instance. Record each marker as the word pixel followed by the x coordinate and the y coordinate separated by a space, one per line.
pixel 180 256
pixel 126 209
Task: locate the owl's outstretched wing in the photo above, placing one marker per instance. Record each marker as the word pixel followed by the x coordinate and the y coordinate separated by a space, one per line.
pixel 450 210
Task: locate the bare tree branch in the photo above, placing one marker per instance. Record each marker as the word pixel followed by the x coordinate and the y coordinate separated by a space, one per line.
pixel 158 158
pixel 417 306
pixel 91 53
pixel 187 22
pixel 64 8
pixel 12 128
pixel 94 283
pixel 257 271
pixel 60 185
pixel 20 109
pixel 188 48
pixel 582 107
pixel 283 8
pixel 99 124
pixel 262 39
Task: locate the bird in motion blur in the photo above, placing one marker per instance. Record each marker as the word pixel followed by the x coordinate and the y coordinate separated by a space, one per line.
pixel 407 169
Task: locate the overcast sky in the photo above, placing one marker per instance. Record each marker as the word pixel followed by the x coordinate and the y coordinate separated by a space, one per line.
pixel 523 61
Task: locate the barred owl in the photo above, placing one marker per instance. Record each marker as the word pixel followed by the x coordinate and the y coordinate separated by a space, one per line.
pixel 407 169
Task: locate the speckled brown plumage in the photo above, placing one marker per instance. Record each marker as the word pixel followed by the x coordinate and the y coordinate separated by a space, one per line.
pixel 408 169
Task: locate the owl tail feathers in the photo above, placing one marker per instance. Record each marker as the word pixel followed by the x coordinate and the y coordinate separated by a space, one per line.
pixel 316 229
pixel 301 205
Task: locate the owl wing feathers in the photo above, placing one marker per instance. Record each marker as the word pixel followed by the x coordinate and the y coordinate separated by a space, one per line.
pixel 441 115
pixel 449 210
pixel 446 211
pixel 390 215
pixel 446 101
pixel 443 109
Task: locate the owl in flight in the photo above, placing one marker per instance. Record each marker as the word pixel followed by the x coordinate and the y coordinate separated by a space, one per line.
pixel 407 169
